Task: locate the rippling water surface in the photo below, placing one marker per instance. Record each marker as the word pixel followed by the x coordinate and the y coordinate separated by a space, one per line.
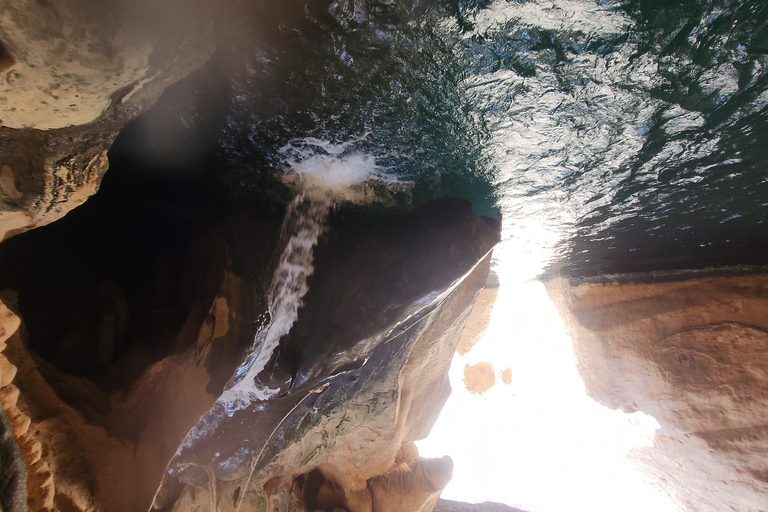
pixel 611 135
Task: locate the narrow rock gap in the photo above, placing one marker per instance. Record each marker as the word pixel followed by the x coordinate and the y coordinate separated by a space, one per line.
pixel 7 60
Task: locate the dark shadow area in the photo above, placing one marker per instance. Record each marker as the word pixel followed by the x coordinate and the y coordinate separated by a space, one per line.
pixel 7 60
pixel 121 273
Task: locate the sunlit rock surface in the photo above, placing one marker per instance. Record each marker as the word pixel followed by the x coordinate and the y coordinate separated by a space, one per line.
pixel 479 378
pixel 73 73
pixel 693 353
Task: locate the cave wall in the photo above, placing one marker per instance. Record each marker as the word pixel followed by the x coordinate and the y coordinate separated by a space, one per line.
pixel 123 327
pixel 693 353
pixel 74 72
pixel 105 442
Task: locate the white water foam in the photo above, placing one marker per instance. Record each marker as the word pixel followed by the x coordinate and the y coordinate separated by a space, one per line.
pixel 323 175
pixel 322 170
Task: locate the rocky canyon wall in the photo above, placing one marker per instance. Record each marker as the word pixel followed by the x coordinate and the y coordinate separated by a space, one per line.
pixel 121 327
pixel 693 353
pixel 361 376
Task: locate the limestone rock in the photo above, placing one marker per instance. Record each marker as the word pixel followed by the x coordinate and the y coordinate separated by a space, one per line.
pixel 73 73
pixel 692 353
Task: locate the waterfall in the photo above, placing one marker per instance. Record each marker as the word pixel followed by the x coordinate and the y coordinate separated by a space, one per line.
pixel 320 181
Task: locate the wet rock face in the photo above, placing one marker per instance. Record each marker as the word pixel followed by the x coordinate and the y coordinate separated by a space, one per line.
pixel 362 374
pixel 692 353
pixel 72 74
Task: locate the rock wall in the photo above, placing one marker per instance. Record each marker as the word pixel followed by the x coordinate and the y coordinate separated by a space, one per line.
pixel 13 476
pixel 693 353
pixel 362 375
pixel 366 366
pixel 109 403
pixel 72 74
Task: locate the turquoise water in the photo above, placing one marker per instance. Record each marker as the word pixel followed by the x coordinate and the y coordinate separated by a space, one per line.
pixel 629 134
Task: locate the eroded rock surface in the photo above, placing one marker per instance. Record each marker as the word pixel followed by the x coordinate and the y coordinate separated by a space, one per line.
pixel 13 472
pixel 692 353
pixel 72 74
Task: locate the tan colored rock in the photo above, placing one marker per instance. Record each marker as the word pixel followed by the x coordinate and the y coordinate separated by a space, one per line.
pixel 65 184
pixel 65 60
pixel 72 74
pixel 7 372
pixel 479 378
pixel 9 324
pixel 478 320
pixel 24 452
pixel 414 486
pixel 692 353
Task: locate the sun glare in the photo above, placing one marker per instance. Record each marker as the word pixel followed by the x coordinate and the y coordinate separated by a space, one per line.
pixel 539 443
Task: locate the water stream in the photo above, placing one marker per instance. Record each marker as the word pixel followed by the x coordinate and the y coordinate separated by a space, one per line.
pixel 323 174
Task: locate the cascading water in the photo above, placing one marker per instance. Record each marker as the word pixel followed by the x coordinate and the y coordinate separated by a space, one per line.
pixel 323 174
pixel 305 219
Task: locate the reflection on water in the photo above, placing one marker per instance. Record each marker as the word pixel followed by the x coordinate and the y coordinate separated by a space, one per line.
pixel 627 132
pixel 616 135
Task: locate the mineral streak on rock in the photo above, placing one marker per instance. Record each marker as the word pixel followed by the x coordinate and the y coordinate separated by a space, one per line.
pixel 692 353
